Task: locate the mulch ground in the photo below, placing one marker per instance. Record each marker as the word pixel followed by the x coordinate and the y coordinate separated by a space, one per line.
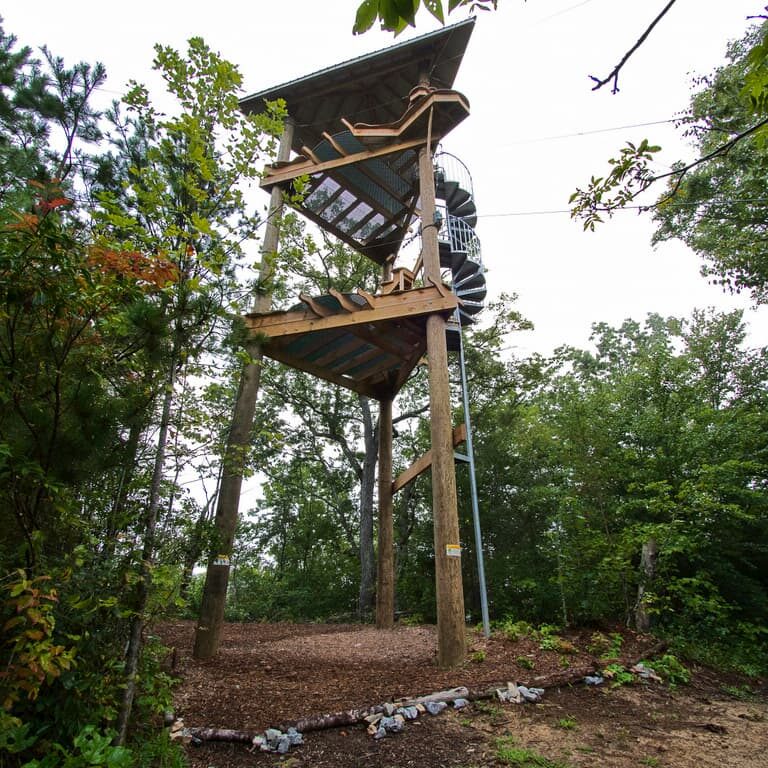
pixel 269 674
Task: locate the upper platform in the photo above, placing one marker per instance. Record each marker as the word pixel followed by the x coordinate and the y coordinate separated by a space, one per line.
pixel 370 89
pixel 358 130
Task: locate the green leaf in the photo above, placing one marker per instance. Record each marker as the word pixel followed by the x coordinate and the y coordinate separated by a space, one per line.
pixel 366 15
pixel 435 7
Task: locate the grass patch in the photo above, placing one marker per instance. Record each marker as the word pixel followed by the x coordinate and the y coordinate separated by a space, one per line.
pixel 508 754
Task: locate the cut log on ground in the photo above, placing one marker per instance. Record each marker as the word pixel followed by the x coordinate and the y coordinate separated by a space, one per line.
pixel 355 716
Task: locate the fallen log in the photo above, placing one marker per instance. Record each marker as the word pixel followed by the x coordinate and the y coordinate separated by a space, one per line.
pixel 354 716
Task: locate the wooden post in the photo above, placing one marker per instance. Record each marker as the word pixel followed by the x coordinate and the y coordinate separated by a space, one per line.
pixel 385 581
pixel 450 596
pixel 217 574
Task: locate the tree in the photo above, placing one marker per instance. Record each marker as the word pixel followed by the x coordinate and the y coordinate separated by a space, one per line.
pixel 631 175
pixel 175 189
pixel 396 15
pixel 719 208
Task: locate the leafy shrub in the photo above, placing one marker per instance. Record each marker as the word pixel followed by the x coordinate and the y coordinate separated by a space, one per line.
pixel 618 675
pixel 515 630
pixel 669 669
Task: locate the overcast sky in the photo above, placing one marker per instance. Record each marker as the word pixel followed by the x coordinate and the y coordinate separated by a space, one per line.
pixel 536 130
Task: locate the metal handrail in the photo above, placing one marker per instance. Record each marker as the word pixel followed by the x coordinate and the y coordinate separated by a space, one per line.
pixel 453 169
pixel 458 234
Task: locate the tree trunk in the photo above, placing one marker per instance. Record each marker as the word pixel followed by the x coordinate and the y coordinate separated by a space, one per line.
pixel 367 480
pixel 648 573
pixel 217 575
pixel 133 653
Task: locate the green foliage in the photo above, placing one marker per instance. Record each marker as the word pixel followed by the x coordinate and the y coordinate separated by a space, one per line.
pixel 514 630
pixel 525 662
pixel 718 207
pixel 618 675
pixel 670 669
pixel 508 754
pixel 478 657
pixel 30 657
pixel 396 15
pixel 605 646
pixel 90 748
pixel 568 723
pixel 630 175
pixel 159 751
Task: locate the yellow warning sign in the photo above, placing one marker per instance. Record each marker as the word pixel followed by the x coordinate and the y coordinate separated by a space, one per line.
pixel 453 550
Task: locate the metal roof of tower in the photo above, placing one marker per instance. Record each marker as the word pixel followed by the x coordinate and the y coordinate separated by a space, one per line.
pixel 372 89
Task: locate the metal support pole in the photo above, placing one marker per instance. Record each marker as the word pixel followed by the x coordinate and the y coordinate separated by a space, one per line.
pixel 473 488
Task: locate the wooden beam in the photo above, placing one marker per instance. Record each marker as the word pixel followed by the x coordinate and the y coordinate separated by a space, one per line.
pixel 302 166
pixel 423 463
pixel 418 301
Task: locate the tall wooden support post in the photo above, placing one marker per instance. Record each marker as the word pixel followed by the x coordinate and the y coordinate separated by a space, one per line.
pixel 217 575
pixel 385 581
pixel 449 591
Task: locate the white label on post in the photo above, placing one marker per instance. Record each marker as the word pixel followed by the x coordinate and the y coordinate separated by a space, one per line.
pixel 453 550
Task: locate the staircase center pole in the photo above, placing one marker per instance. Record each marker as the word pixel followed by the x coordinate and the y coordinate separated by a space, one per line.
pixel 473 489
pixel 451 639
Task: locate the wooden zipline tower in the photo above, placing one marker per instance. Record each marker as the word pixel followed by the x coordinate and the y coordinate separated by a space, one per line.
pixel 364 133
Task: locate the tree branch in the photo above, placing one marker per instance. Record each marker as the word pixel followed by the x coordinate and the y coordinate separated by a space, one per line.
pixel 614 75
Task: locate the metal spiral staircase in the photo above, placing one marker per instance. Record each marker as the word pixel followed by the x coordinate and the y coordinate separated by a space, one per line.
pixel 460 251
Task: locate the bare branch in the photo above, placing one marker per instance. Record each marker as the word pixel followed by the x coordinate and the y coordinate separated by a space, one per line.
pixel 614 75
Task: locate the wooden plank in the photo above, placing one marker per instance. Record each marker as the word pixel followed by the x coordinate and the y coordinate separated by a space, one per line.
pixel 423 463
pixel 315 307
pixel 360 359
pixel 335 144
pixel 333 352
pixel 419 301
pixel 360 386
pixel 367 297
pixel 307 152
pixel 346 304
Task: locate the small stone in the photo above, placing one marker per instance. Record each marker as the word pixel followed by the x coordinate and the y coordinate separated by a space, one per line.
pixel 594 680
pixel 374 718
pixel 272 736
pixel 510 695
pixel 380 733
pixel 409 713
pixel 531 694
pixel 460 703
pixel 435 707
pixel 387 723
pixel 372 729
pixel 257 741
pixel 420 708
pixel 389 709
pixel 294 737
pixel 283 744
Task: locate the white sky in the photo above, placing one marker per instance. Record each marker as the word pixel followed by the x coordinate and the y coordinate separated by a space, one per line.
pixel 526 76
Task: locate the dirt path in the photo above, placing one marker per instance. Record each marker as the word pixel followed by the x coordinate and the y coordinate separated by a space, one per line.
pixel 267 674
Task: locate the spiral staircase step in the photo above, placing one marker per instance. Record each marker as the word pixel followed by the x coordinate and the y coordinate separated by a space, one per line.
pixel 470 282
pixel 458 198
pixel 468 269
pixel 473 294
